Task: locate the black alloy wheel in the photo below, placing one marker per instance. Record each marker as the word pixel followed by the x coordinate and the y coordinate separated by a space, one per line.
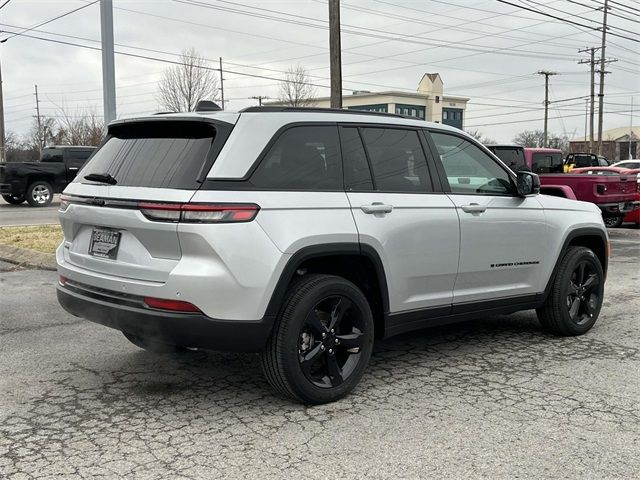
pixel 583 297
pixel 330 343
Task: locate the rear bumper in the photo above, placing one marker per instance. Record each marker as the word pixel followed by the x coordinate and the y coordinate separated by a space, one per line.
pixel 128 314
pixel 618 209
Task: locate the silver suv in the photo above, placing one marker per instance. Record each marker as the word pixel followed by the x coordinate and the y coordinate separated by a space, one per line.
pixel 305 234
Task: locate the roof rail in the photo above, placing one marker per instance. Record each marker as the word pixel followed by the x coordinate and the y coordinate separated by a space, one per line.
pixel 321 110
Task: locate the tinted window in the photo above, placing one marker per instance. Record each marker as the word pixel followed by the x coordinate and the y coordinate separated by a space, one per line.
pixel 547 162
pixel 76 158
pixel 512 157
pixel 397 160
pixel 357 176
pixel 302 158
pixel 469 169
pixel 154 154
pixel 52 155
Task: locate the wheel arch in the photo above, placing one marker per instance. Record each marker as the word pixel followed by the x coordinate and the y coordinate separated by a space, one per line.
pixel 593 238
pixel 358 263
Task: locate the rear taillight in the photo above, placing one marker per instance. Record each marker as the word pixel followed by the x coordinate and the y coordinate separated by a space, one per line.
pixel 65 201
pixel 199 212
pixel 172 305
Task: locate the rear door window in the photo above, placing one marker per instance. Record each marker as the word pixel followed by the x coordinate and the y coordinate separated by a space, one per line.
pixel 397 160
pixel 161 154
pixel 301 158
pixel 357 176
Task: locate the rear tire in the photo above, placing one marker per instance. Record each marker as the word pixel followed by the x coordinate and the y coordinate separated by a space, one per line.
pixel 40 194
pixel 322 341
pixel 14 199
pixel 613 222
pixel 152 345
pixel 573 305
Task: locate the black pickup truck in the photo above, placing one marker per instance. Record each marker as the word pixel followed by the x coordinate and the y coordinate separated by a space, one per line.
pixel 36 182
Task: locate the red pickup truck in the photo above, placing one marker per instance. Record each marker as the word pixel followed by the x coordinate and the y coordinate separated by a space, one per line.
pixel 614 194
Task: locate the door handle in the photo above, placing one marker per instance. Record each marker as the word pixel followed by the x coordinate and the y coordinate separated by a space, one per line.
pixel 473 208
pixel 73 169
pixel 376 207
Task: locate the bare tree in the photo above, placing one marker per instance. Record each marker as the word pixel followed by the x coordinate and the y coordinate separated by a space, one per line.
pixel 296 89
pixel 84 127
pixel 478 135
pixel 535 138
pixel 183 86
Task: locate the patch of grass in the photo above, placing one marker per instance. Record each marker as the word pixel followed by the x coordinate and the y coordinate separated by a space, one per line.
pixel 42 238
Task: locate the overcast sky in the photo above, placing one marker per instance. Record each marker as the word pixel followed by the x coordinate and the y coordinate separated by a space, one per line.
pixel 483 49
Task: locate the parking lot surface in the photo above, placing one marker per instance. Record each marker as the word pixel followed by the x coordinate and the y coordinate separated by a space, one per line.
pixel 494 398
pixel 24 214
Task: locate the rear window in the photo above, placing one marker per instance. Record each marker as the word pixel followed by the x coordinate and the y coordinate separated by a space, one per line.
pixel 154 154
pixel 547 163
pixel 52 155
pixel 511 157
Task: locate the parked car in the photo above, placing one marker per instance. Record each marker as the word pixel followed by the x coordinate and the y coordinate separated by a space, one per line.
pixel 581 160
pixel 36 182
pixel 303 234
pixel 632 216
pixel 631 164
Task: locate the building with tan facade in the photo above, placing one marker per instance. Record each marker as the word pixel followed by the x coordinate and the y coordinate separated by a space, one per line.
pixel 428 103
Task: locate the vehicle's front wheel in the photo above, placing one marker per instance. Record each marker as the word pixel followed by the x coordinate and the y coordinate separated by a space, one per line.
pixel 39 194
pixel 14 199
pixel 613 222
pixel 573 305
pixel 322 341
pixel 151 344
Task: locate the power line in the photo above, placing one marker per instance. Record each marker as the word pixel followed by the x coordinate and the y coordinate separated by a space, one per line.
pixel 51 19
pixel 4 4
pixel 564 20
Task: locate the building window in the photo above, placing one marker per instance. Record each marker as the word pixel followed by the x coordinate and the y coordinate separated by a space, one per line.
pixel 437 99
pixel 380 107
pixel 452 117
pixel 417 111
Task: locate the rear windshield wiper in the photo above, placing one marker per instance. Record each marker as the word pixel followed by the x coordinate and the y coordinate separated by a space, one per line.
pixel 101 177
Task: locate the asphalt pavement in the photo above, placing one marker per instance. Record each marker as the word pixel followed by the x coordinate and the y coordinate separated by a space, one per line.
pixel 493 398
pixel 24 214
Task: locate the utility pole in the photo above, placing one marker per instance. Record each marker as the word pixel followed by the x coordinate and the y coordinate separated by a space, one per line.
pixel 2 145
pixel 592 62
pixel 335 54
pixel 41 138
pixel 586 117
pixel 259 98
pixel 108 63
pixel 546 74
pixel 221 84
pixel 602 74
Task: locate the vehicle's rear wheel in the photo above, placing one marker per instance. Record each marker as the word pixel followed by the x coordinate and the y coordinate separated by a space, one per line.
pixel 574 303
pixel 322 341
pixel 152 344
pixel 613 222
pixel 39 194
pixel 14 199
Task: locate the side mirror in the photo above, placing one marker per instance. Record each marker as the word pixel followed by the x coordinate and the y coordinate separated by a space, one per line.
pixel 528 184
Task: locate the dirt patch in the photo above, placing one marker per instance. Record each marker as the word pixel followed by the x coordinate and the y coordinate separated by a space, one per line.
pixel 41 238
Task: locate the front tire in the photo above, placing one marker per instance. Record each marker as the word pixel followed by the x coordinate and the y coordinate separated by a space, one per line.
pixel 151 344
pixel 14 199
pixel 573 305
pixel 40 194
pixel 322 341
pixel 613 222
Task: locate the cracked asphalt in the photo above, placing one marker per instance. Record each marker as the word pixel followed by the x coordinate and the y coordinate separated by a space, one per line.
pixel 494 398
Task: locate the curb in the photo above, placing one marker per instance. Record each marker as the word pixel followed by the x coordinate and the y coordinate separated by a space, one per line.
pixel 28 258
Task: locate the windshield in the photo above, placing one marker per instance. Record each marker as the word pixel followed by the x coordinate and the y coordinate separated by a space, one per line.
pixel 153 154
